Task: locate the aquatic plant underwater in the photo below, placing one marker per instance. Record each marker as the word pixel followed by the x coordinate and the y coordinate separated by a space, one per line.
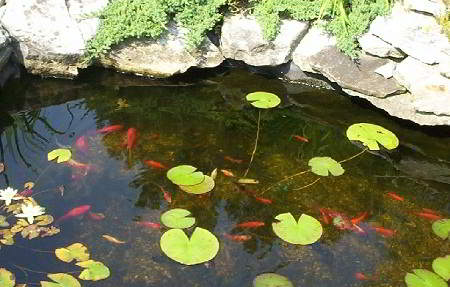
pixel 23 216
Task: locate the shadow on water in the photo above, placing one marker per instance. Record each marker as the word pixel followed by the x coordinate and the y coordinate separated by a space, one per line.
pixel 203 120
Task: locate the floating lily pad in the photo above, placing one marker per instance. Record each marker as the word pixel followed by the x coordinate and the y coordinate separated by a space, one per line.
pixel 61 155
pixel 31 231
pixel 94 271
pixel 75 251
pixel 441 228
pixel 43 220
pixel 3 222
pixel 323 165
pixel 185 175
pixel 441 266
pixel 306 231
pixel 203 246
pixel 424 278
pixel 263 100
pixel 271 280
pixel 7 279
pixel 205 186
pixel 62 279
pixel 177 218
pixel 370 135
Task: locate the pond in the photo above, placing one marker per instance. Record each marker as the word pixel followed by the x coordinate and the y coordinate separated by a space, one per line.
pixel 387 200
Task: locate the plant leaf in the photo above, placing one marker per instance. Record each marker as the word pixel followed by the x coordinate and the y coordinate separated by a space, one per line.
pixel 441 228
pixel 323 165
pixel 424 278
pixel 62 279
pixel 203 246
pixel 306 231
pixel 271 280
pixel 75 251
pixel 3 222
pixel 177 218
pixel 247 181
pixel 94 271
pixel 263 100
pixel 7 279
pixel 205 186
pixel 370 135
pixel 185 175
pixel 441 266
pixel 61 155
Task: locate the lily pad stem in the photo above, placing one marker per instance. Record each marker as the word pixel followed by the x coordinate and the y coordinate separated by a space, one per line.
pixel 42 272
pixel 256 144
pixel 284 179
pixel 353 156
pixel 308 185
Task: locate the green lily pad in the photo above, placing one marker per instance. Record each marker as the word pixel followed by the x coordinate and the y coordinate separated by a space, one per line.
pixel 7 279
pixel 61 155
pixel 62 279
pixel 94 271
pixel 75 251
pixel 424 278
pixel 203 246
pixel 441 228
pixel 263 100
pixel 441 266
pixel 306 231
pixel 3 222
pixel 370 135
pixel 271 280
pixel 205 186
pixel 185 175
pixel 177 218
pixel 323 165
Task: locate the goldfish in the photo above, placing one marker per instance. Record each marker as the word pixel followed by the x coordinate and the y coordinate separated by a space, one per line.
pixel 233 160
pixel 360 276
pixel 82 144
pixel 325 217
pixel 227 173
pixel 149 224
pixel 395 196
pixel 96 216
pixel 110 129
pixel 429 216
pixel 167 196
pixel 263 200
pixel 155 164
pixel 131 138
pixel 235 237
pixel 250 224
pixel 77 211
pixel 430 211
pixel 360 218
pixel 300 138
pixel 113 239
pixel 26 192
pixel 384 231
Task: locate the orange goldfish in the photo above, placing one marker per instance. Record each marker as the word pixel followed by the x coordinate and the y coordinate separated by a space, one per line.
pixel 227 172
pixel 250 224
pixel 235 237
pixel 263 200
pixel 149 224
pixel 74 212
pixel 113 239
pixel 300 138
pixel 155 164
pixel 429 216
pixel 395 196
pixel 82 144
pixel 131 138
pixel 109 129
pixel 360 218
pixel 386 232
pixel 233 160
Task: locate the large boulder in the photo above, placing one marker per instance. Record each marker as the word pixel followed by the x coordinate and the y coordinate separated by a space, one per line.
pixel 375 46
pixel 163 57
pixel 242 39
pixel 433 7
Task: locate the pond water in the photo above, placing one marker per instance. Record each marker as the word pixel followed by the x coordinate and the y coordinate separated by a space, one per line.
pixel 203 120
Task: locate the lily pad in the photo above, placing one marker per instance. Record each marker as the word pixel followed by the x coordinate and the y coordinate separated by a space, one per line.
pixel 323 165
pixel 75 251
pixel 203 246
pixel 263 100
pixel 185 175
pixel 441 266
pixel 31 231
pixel 271 280
pixel 370 135
pixel 205 186
pixel 61 155
pixel 7 279
pixel 3 222
pixel 62 279
pixel 306 231
pixel 94 271
pixel 424 278
pixel 177 218
pixel 441 228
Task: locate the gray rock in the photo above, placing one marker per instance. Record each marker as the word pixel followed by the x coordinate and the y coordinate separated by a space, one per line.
pixel 387 70
pixel 361 78
pixel 444 67
pixel 163 57
pixel 80 9
pixel 375 46
pixel 242 39
pixel 434 7
pixel 313 43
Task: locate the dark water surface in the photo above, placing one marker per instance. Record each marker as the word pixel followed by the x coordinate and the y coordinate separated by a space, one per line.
pixel 200 121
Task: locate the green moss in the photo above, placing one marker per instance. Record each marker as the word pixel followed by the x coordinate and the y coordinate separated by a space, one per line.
pixel 444 21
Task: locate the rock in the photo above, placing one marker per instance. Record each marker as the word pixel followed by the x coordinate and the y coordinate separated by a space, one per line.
pixel 78 9
pixel 242 39
pixel 430 89
pixel 434 7
pixel 375 46
pixel 312 43
pixel 444 67
pixel 163 57
pixel 361 77
pixel 5 49
pixel 417 35
pixel 387 70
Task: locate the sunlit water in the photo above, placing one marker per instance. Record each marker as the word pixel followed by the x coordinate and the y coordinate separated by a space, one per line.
pixel 201 122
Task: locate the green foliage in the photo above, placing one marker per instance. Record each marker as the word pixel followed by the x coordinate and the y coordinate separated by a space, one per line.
pixel 424 278
pixel 75 251
pixel 177 218
pixel 324 165
pixel 7 279
pixel 306 231
pixel 94 271
pixel 263 100
pixel 444 21
pixel 372 135
pixel 442 228
pixel 185 175
pixel 441 266
pixel 271 280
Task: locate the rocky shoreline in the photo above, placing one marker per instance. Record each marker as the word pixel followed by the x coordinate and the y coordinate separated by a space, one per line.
pixel 405 68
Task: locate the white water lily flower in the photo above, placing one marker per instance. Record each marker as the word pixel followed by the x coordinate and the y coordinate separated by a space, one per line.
pixel 29 211
pixel 8 195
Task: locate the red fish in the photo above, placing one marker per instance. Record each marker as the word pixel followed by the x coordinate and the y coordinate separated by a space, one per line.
pixel 96 216
pixel 82 144
pixel 361 276
pixel 395 196
pixel 300 138
pixel 77 211
pixel 149 224
pixel 236 237
pixel 427 210
pixel 263 200
pixel 110 129
pixel 384 231
pixel 429 216
pixel 167 196
pixel 227 173
pixel 360 218
pixel 155 164
pixel 131 138
pixel 250 224
pixel 26 192
pixel 325 217
pixel 233 160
